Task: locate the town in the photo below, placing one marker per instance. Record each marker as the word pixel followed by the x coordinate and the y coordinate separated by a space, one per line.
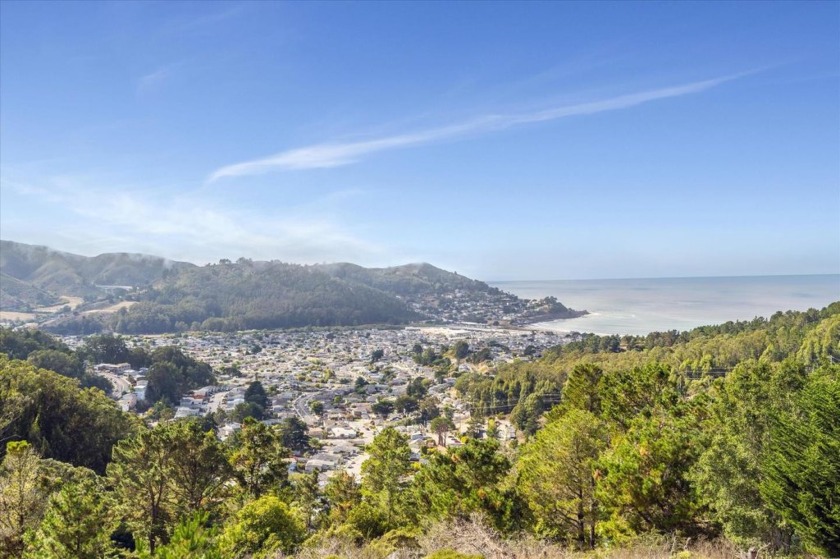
pixel 344 385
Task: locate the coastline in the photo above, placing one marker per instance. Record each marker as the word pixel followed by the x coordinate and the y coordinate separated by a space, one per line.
pixel 639 307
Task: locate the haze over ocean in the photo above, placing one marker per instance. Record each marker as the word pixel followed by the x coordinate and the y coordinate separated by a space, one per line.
pixel 640 306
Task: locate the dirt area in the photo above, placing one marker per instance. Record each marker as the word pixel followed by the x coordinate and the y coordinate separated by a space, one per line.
pixel 112 308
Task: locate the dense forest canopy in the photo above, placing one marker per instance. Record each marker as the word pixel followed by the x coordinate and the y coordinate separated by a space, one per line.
pixel 728 433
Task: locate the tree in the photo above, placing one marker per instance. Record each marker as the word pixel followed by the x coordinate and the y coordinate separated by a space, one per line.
pixel 259 459
pixel 60 420
pixel 77 523
pixel 197 467
pixel 461 349
pixel 557 475
pixel 255 394
pixel 316 407
pixel 801 467
pixel 247 409
pixel 22 496
pixel 19 344
pixel 172 373
pixel 105 348
pixel 359 385
pixel 384 472
pixel 646 484
pixel 417 388
pixel 463 481
pixel 307 495
pixel 428 409
pixel 164 383
pixel 191 539
pixel 728 473
pixel 65 364
pixel 140 478
pixel 377 355
pixel 342 494
pixel 406 404
pixel 582 389
pixel 441 426
pixel 294 434
pixel 261 527
pixel 627 393
pixel 383 408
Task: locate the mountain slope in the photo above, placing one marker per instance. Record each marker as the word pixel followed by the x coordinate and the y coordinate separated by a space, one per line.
pixel 61 273
pixel 407 280
pixel 175 296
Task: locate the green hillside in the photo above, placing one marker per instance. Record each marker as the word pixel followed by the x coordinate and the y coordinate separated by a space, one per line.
pixel 32 270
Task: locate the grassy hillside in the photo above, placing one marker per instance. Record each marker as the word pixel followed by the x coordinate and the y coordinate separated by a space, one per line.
pixel 39 273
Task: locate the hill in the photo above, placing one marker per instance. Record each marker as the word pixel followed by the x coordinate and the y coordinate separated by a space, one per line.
pixel 407 280
pixel 39 275
pixel 165 296
pixel 18 295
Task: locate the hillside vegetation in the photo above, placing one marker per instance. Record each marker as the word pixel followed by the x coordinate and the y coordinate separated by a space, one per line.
pixel 641 450
pixel 163 296
pixel 39 275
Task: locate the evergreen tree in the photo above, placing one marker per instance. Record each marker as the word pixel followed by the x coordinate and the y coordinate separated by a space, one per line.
pixel 260 528
pixel 385 472
pixel 23 497
pixel 342 494
pixel 77 523
pixel 802 465
pixel 557 472
pixel 140 478
pixel 463 481
pixel 259 459
pixel 191 539
pixel 645 484
pixel 197 468
pixel 293 434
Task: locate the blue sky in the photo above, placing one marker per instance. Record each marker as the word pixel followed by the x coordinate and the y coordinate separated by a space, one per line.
pixel 501 140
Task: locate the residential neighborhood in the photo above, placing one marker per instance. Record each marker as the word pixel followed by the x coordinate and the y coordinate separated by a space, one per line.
pixel 333 379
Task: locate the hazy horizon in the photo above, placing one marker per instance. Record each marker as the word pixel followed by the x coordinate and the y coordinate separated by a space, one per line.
pixel 491 281
pixel 566 140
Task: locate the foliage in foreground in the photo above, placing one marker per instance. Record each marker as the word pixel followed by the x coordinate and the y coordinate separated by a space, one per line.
pixel 628 455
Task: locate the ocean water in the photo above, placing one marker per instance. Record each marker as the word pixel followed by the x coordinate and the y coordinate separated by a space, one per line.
pixel 639 306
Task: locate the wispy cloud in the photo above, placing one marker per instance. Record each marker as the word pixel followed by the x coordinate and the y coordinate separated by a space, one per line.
pixel 153 81
pixel 337 154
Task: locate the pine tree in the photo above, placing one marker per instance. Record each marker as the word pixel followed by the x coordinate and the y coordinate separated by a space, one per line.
pixel 259 459
pixel 77 523
pixel 23 496
pixel 384 472
pixel 802 464
pixel 140 477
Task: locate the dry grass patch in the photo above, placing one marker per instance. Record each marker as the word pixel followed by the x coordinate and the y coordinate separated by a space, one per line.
pixel 113 308
pixel 13 316
pixel 66 301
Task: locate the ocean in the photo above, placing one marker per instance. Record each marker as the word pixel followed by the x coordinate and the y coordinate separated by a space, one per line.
pixel 640 306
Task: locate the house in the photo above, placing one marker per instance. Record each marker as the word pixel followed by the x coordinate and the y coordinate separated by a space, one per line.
pixel 182 412
pixel 116 369
pixel 342 433
pixel 228 429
